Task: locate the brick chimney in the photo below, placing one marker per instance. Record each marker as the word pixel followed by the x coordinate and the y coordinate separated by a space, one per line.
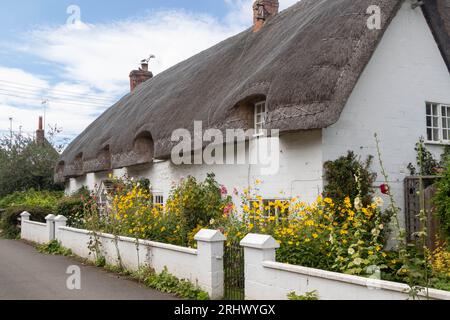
pixel 140 76
pixel 40 133
pixel 263 10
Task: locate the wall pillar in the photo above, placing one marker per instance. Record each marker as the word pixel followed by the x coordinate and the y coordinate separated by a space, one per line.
pixel 60 221
pixel 257 248
pixel 50 220
pixel 210 244
pixel 24 216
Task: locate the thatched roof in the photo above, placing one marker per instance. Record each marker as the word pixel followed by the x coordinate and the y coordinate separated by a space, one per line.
pixel 306 61
pixel 437 13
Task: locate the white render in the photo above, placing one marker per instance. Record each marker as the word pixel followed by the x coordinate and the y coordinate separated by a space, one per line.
pixel 405 72
pixel 300 172
pixel 266 279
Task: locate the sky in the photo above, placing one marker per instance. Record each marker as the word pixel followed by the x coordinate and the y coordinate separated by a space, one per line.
pixel 70 60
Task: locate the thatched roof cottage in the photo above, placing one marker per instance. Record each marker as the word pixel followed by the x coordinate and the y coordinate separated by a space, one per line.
pixel 327 73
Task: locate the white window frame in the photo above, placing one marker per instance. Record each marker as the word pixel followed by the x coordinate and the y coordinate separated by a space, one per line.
pixel 442 129
pixel 158 198
pixel 260 110
pixel 266 201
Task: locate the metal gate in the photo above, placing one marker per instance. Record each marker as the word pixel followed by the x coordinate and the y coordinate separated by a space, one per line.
pixel 234 279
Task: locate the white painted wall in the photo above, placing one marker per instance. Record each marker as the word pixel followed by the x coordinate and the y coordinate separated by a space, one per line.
pixel 266 279
pixel 405 71
pixel 34 231
pixel 300 172
pixel 202 266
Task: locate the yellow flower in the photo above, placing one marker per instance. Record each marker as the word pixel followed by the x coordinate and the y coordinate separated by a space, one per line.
pixel 315 235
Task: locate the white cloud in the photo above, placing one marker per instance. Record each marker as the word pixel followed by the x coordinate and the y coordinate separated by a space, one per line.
pixel 94 60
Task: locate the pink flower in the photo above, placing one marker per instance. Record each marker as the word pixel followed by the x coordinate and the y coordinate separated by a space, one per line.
pixel 224 191
pixel 228 209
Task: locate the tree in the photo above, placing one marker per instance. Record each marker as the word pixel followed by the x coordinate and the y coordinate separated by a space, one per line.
pixel 25 164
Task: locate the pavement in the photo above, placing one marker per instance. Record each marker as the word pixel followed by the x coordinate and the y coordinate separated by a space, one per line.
pixel 26 274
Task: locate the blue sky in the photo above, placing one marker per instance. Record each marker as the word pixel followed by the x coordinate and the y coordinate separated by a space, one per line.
pixel 81 69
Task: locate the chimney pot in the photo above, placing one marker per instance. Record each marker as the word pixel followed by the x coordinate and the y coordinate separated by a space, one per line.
pixel 140 76
pixel 263 10
pixel 144 66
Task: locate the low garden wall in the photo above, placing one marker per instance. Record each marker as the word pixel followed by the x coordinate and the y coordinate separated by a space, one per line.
pixel 202 266
pixel 35 231
pixel 266 279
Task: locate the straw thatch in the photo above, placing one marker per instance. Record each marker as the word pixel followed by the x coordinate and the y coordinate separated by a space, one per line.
pixel 305 61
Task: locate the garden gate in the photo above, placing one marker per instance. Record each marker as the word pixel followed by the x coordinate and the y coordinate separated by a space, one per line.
pixel 412 207
pixel 234 278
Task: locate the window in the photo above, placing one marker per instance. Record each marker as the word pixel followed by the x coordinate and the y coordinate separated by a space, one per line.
pixel 438 122
pixel 260 117
pixel 273 208
pixel 104 194
pixel 158 199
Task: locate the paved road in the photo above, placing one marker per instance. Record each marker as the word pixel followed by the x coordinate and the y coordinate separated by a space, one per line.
pixel 26 274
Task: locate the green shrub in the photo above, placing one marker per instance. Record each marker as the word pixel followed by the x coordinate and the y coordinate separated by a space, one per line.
pixel 73 209
pixel 341 182
pixel 165 282
pixel 9 220
pixel 442 201
pixel 32 198
pixel 197 203
pixel 54 248
pixel 307 296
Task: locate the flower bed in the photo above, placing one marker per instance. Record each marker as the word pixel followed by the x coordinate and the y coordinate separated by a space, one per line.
pixel 346 237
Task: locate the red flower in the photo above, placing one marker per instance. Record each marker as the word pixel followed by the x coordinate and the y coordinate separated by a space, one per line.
pixel 384 189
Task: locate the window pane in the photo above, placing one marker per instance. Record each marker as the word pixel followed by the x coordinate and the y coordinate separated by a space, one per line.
pixel 435 122
pixel 428 121
pixel 258 118
pixel 429 135
pixel 444 111
pixel 435 134
pixel 444 134
pixel 435 109
pixel 444 123
pixel 428 109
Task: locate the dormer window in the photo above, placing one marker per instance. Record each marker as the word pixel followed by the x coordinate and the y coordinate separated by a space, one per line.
pixel 260 117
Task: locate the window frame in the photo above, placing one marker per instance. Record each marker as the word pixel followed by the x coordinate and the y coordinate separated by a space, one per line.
pixel 277 213
pixel 259 126
pixel 441 128
pixel 158 195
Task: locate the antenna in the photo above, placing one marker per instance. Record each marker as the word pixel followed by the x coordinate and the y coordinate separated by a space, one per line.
pixel 152 56
pixel 44 105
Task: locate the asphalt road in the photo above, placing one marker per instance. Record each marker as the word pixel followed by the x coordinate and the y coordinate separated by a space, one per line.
pixel 26 274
